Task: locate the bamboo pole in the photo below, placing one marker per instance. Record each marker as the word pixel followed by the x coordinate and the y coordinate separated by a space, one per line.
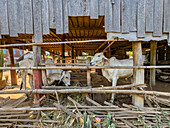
pixel 63 64
pixel 50 43
pixel 85 67
pixel 40 91
pixel 29 109
pixel 28 120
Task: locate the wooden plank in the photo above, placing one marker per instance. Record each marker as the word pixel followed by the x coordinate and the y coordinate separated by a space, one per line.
pixel 37 20
pixel 28 16
pixel 94 9
pixel 51 14
pixel 116 16
pixel 158 15
pixel 125 16
pixel 66 24
pixel 101 7
pixel 166 16
pixel 153 47
pixel 133 15
pixel 141 18
pixel 149 15
pixel 76 8
pixel 12 64
pixel 108 16
pixel 86 8
pixel 59 16
pixel 12 18
pixel 4 17
pixel 20 16
pixel 138 74
pixel 45 17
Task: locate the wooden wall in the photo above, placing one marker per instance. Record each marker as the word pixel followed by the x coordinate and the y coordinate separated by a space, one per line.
pixel 122 17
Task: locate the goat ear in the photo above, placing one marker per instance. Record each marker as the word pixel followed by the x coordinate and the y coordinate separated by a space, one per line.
pixel 105 61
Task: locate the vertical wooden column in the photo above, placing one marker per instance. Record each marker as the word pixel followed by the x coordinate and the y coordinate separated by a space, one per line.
pixel 63 53
pixel 153 47
pixel 138 74
pixel 12 64
pixel 88 73
pixel 37 74
pixel 38 32
pixel 72 54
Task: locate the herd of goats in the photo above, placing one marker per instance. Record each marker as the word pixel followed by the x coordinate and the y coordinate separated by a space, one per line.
pixel 112 75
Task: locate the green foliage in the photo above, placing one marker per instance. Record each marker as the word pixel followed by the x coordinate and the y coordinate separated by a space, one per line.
pixel 85 120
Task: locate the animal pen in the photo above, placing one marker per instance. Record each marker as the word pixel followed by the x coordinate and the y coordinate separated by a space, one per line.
pixel 91 26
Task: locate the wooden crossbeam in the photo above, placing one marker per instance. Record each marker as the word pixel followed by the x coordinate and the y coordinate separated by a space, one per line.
pixel 101 46
pixel 108 46
pixel 50 43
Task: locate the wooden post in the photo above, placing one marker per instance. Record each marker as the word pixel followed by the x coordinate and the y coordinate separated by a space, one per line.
pixel 75 61
pixel 72 54
pixel 37 75
pixel 138 74
pixel 153 47
pixel 12 64
pixel 43 55
pixel 88 73
pixel 63 53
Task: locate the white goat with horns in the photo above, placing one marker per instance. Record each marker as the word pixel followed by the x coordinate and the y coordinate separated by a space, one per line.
pixel 113 74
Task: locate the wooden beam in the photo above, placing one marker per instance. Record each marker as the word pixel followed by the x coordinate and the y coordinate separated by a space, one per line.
pixel 153 47
pixel 72 54
pixel 138 74
pixel 100 46
pixel 50 43
pixel 63 53
pixel 12 64
pixel 88 73
pixel 86 28
pixel 108 46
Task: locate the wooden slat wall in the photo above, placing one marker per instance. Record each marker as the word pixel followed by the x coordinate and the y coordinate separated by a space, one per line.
pixel 125 15
pixel 108 16
pixel 37 20
pixel 12 18
pixel 28 18
pixel 158 15
pixel 166 16
pixel 94 9
pixel 133 15
pixel 20 16
pixel 141 18
pixel 59 16
pixel 122 17
pixel 116 16
pixel 45 17
pixel 51 14
pixel 4 17
pixel 66 25
pixel 149 15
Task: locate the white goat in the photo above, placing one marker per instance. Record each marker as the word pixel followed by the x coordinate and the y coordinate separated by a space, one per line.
pixel 113 74
pixel 56 74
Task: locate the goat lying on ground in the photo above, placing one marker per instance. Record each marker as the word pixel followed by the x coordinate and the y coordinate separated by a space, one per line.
pixel 52 75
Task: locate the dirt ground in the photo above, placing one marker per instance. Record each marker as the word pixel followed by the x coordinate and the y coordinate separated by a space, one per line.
pixel 6 74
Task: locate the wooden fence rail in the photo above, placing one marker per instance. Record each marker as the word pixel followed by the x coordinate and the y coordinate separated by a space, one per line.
pixel 85 67
pixel 41 91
